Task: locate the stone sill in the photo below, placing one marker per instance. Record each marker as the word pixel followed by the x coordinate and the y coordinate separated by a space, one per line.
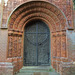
pixel 4 28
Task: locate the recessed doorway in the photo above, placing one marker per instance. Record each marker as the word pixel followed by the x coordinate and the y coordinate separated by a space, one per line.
pixel 36 44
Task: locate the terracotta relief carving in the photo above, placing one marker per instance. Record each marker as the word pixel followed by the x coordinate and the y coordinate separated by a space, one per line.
pixel 63 44
pixel 10 46
pixel 15 45
pixel 19 45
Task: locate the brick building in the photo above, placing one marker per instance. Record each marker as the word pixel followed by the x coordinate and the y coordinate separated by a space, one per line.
pixel 33 32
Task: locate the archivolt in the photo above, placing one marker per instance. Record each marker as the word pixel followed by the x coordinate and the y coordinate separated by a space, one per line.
pixel 39 9
pixel 30 11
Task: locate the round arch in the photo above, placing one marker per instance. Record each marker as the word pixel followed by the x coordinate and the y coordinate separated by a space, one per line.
pixel 35 9
pixel 41 10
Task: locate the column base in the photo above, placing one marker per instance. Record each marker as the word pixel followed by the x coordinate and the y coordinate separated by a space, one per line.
pixel 6 68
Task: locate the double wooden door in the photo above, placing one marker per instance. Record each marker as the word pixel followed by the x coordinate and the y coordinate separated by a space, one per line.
pixel 36 44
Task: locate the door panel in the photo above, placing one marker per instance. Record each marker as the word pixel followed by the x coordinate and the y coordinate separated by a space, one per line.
pixel 43 53
pixel 42 27
pixel 42 38
pixel 36 44
pixel 30 28
pixel 31 38
pixel 29 53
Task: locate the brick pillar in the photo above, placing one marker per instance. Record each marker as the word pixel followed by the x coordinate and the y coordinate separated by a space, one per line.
pixel 67 69
pixel 63 44
pixel 74 19
pixel 53 50
pixel 58 45
pixel 6 68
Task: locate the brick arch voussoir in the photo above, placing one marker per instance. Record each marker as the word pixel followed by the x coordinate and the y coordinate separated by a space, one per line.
pixel 42 15
pixel 43 4
pixel 23 15
pixel 57 38
pixel 39 18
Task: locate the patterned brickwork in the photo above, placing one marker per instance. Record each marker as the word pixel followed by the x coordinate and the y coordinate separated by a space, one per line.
pixel 6 68
pixel 55 20
pixel 67 69
pixel 58 14
pixel 65 5
pixel 14 45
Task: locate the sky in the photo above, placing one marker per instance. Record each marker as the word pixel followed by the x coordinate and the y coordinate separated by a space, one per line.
pixel 5 2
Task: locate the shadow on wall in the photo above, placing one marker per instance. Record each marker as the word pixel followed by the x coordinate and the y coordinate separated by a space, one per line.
pixel 71 44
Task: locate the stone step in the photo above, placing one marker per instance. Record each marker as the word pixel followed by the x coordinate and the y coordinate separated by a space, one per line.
pixel 37 71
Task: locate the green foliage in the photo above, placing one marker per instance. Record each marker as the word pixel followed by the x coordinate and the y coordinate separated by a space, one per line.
pixel 74 4
pixel 51 69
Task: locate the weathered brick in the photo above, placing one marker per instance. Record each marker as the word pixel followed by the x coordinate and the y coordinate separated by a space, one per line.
pixel 58 20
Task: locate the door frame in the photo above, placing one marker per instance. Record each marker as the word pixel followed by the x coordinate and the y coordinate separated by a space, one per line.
pixel 49 40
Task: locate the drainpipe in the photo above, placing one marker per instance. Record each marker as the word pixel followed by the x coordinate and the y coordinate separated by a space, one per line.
pixel 74 17
pixel 2 5
pixel 74 14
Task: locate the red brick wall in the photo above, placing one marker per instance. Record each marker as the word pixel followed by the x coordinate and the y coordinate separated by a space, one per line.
pixel 56 30
pixel 67 69
pixel 65 5
pixel 59 17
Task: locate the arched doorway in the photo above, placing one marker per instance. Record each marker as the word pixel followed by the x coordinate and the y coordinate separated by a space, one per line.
pixel 20 19
pixel 36 44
